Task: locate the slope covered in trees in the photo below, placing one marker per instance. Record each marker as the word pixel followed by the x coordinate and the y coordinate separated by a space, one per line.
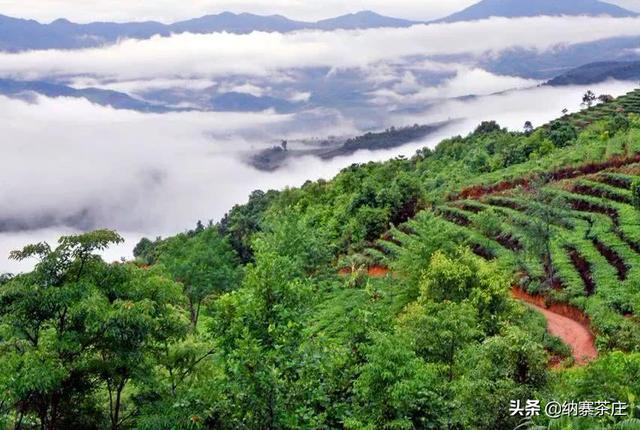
pixel 280 316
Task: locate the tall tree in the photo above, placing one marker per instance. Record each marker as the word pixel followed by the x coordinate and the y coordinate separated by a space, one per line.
pixel 76 326
pixel 204 264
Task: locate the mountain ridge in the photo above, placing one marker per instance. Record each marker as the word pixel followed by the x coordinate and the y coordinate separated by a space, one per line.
pixel 17 34
pixel 593 73
pixel 516 9
pixel 113 99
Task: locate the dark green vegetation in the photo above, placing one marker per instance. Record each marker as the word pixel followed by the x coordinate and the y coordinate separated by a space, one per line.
pixel 248 324
pixel 599 72
pixel 275 157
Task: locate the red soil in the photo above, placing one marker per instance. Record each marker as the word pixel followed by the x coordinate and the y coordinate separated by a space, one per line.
pixel 478 191
pixel 613 258
pixel 378 271
pixel 584 269
pixel 566 322
pixel 372 272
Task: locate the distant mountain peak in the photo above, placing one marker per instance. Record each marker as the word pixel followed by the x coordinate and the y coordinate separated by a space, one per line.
pixel 363 19
pixel 530 8
pixel 20 34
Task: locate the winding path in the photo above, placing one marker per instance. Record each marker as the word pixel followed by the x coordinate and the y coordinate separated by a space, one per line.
pixel 566 323
pixel 563 321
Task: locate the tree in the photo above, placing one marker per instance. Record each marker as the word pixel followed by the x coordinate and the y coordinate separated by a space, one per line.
pixel 440 330
pixel 464 277
pixel 511 366
pixel 528 127
pixel 134 328
pixel 76 326
pixel 144 250
pixel 588 99
pixel 617 123
pixel 244 221
pixel 635 192
pixel 258 332
pixel 487 127
pixel 561 133
pixel 204 264
pixel 543 211
pixel 396 389
pixel 605 98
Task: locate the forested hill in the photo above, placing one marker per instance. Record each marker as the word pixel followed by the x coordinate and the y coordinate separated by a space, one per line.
pixel 377 300
pixel 599 72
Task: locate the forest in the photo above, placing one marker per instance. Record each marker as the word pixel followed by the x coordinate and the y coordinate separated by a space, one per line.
pixel 389 297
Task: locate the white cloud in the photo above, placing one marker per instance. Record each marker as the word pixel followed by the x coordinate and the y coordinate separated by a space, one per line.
pixel 512 108
pixel 136 86
pixel 466 82
pixel 189 56
pixel 300 97
pixel 246 88
pixel 157 174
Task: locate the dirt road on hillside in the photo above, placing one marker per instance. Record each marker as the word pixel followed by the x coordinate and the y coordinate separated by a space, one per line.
pixel 573 334
pixel 568 324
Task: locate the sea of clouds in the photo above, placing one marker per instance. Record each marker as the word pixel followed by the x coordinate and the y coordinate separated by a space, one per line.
pixel 68 165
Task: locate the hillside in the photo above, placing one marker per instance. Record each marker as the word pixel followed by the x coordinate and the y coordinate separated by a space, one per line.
pixel 517 8
pixel 114 99
pixel 599 72
pixel 389 297
pixel 271 159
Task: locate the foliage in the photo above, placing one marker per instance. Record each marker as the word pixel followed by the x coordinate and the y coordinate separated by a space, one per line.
pixel 248 324
pixel 204 264
pixel 77 329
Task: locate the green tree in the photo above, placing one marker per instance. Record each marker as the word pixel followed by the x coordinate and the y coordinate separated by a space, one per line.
pixel 588 99
pixel 258 328
pixel 467 278
pixel 544 210
pixel 509 366
pixel 75 328
pixel 487 127
pixel 396 389
pixel 561 133
pixel 204 264
pixel 635 192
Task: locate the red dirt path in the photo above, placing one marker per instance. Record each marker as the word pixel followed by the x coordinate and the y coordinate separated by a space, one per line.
pixel 567 323
pixel 372 272
pixel 563 321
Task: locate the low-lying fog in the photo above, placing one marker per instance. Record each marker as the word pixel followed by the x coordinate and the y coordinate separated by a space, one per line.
pixel 66 162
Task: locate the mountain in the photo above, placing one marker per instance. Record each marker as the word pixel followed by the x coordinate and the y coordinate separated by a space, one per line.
pixel 237 23
pixel 594 73
pixel 20 34
pixel 546 65
pixel 243 102
pixel 526 8
pixel 363 20
pixel 113 99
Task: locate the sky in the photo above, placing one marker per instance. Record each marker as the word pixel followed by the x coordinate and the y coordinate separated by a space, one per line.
pixel 171 10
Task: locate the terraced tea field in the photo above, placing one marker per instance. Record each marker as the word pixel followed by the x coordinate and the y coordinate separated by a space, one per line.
pixel 628 103
pixel 572 235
